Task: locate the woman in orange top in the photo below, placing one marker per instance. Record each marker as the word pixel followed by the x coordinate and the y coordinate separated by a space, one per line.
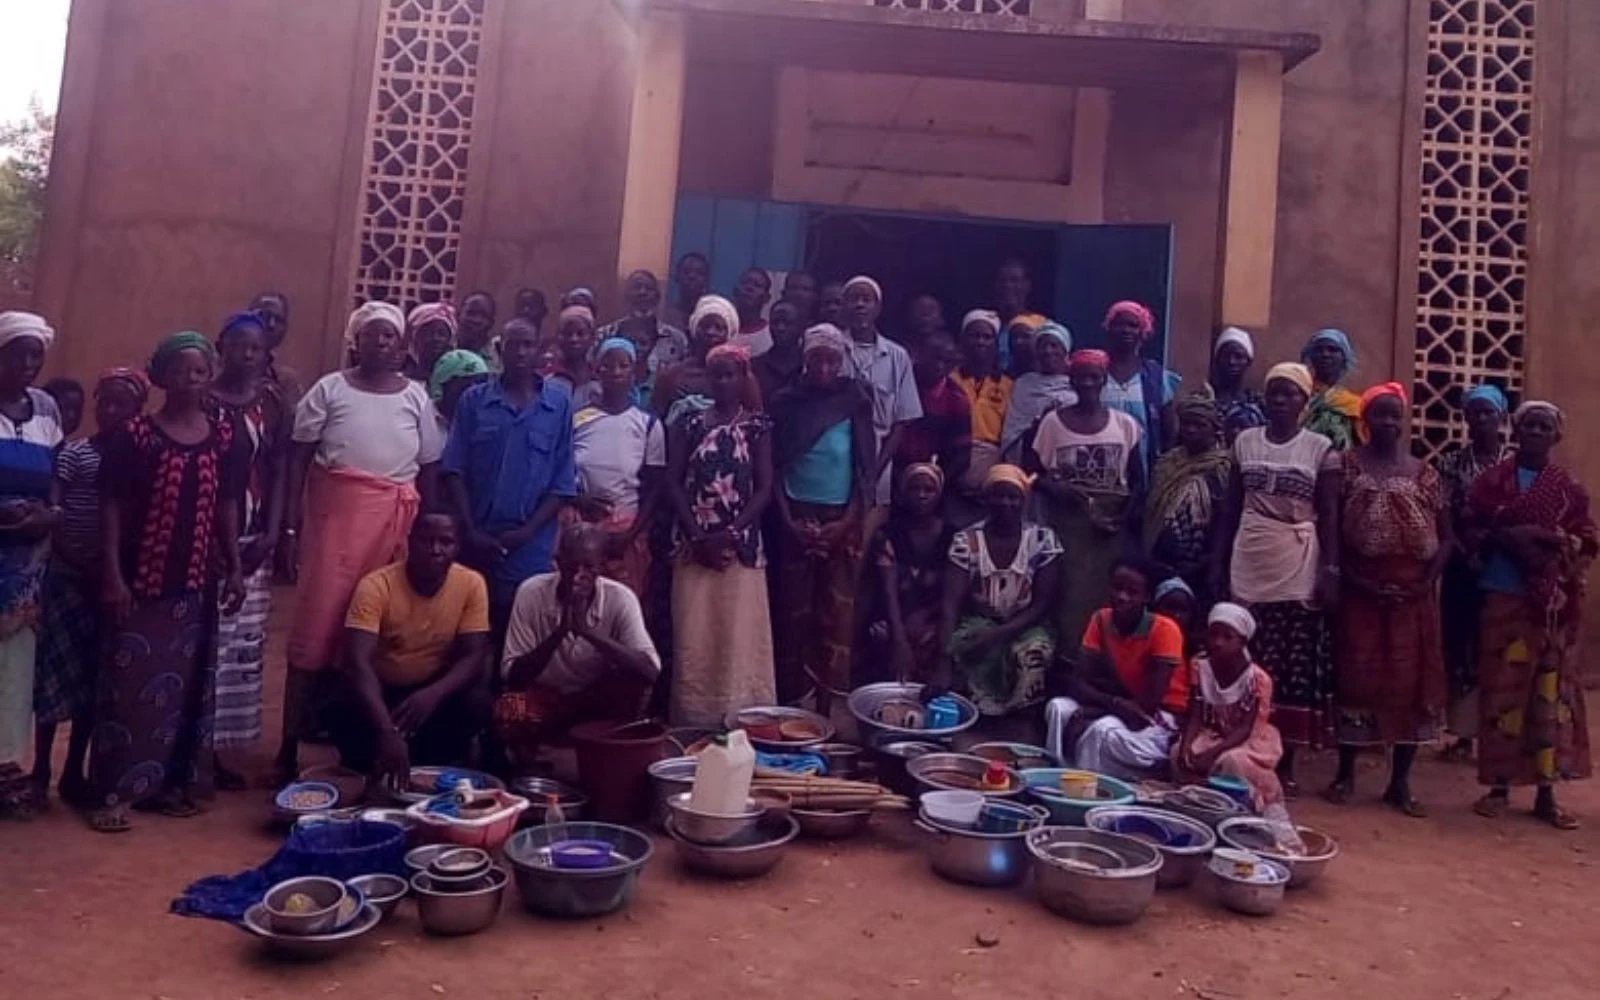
pixel 1128 690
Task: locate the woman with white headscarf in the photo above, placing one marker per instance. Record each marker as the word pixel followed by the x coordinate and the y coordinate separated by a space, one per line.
pixel 365 440
pixel 1238 406
pixel 30 429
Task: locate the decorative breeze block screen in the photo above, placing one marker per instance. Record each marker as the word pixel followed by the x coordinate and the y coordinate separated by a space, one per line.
pixel 420 138
pixel 1019 7
pixel 1476 159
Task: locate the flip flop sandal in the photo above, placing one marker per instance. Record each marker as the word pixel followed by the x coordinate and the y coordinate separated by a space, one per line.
pixel 110 820
pixel 1492 806
pixel 1406 805
pixel 1340 792
pixel 1556 817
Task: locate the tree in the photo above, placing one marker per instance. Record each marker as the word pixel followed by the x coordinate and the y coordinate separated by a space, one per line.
pixel 24 172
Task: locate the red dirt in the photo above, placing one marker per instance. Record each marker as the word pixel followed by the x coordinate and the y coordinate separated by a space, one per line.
pixel 1449 907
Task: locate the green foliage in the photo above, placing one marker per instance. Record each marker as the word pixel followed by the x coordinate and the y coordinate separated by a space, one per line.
pixel 24 172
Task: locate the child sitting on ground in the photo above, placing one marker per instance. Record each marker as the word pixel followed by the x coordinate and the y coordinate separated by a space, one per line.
pixel 1229 731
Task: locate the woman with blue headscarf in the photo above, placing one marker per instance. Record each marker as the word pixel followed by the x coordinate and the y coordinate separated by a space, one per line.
pixel 1334 411
pixel 621 452
pixel 1461 600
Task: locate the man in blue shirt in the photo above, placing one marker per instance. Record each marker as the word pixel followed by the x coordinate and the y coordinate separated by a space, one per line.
pixel 509 469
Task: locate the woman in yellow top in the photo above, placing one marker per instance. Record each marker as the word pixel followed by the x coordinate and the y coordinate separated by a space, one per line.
pixel 1334 411
pixel 988 389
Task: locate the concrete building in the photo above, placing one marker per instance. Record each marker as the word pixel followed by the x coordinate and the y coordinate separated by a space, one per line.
pixel 1412 171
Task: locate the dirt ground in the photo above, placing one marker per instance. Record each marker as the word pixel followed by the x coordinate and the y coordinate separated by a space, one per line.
pixel 1448 907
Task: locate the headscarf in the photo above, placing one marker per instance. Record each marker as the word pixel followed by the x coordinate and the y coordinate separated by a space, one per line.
pixel 373 312
pixel 1378 392
pixel 459 363
pixel 16 324
pixel 1145 318
pixel 988 316
pixel 714 305
pixel 1539 406
pixel 133 378
pixel 1234 335
pixel 738 353
pixel 433 312
pixel 1028 321
pixel 622 344
pixel 1090 357
pixel 575 311
pixel 185 341
pixel 1337 338
pixel 1179 480
pixel 1235 617
pixel 1056 332
pixel 825 335
pixel 1171 585
pixel 1489 393
pixel 862 279
pixel 1198 404
pixel 581 295
pixel 1011 475
pixel 249 317
pixel 1292 371
pixel 928 469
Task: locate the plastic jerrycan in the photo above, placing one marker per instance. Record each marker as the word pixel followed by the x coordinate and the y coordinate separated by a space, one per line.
pixel 722 775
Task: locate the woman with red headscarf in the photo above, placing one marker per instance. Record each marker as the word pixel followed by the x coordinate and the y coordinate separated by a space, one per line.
pixel 1137 385
pixel 1390 687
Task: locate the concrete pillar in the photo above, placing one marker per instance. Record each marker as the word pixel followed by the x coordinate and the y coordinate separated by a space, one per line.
pixel 1250 208
pixel 650 192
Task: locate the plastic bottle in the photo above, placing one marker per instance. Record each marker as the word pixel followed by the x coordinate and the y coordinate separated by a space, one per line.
pixel 553 812
pixel 722 775
pixel 994 778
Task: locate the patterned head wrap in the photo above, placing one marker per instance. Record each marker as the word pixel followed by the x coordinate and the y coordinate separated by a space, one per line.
pixel 1011 475
pixel 1377 392
pixel 866 282
pixel 1090 357
pixel 433 312
pixel 1056 332
pixel 737 353
pixel 1294 372
pixel 1339 339
pixel 459 363
pixel 133 378
pixel 1142 315
pixel 927 470
pixel 622 344
pixel 16 324
pixel 825 335
pixel 1539 406
pixel 988 316
pixel 1031 322
pixel 1197 404
pixel 1235 617
pixel 576 311
pixel 714 305
pixel 373 312
pixel 188 340
pixel 249 317
pixel 1241 339
pixel 1488 393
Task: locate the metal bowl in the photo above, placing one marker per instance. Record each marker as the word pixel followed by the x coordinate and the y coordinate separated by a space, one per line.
pixel 755 853
pixel 1207 805
pixel 309 946
pixel 325 794
pixel 1020 756
pixel 864 703
pixel 668 778
pixel 482 781
pixel 1253 834
pixel 831 824
pixel 973 858
pixel 710 828
pixel 891 754
pixel 1253 897
pixel 1095 877
pixel 935 772
pixel 818 728
pixel 572 892
pixel 1184 843
pixel 452 912
pixel 326 894
pixel 419 858
pixel 383 891
pixel 843 759
pixel 538 792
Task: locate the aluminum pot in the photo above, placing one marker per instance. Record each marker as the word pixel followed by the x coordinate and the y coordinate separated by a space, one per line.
pixel 755 854
pixel 670 777
pixel 569 892
pixel 973 858
pixel 1094 877
pixel 831 824
pixel 452 912
pixel 1254 834
pixel 890 757
pixel 864 703
pixel 538 791
pixel 1253 897
pixel 1185 844
pixel 936 772
pixel 713 828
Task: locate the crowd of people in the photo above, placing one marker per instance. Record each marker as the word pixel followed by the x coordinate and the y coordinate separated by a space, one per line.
pixel 499 530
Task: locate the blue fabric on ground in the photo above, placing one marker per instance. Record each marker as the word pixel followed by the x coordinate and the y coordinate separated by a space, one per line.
pixel 795 763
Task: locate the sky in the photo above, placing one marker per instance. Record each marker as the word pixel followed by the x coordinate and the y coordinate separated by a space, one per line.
pixel 33 40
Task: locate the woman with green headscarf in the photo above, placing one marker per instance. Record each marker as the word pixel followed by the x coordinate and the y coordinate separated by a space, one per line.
pixel 1186 490
pixel 454 373
pixel 172 487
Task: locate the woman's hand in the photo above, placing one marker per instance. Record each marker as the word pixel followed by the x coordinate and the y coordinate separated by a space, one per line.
pixel 232 593
pixel 487 548
pixel 288 557
pixel 903 661
pixel 256 553
pixel 117 598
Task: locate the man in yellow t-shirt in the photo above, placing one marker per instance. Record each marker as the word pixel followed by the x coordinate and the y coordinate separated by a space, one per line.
pixel 416 655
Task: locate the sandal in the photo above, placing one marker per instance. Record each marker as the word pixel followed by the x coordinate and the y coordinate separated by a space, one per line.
pixel 1406 803
pixel 1339 792
pixel 1555 816
pixel 111 819
pixel 1492 806
pixel 174 805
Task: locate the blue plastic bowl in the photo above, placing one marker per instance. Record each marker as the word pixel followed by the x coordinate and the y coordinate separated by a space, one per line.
pixel 1044 787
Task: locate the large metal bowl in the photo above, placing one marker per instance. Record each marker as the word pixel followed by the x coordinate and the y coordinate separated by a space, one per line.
pixel 670 777
pixel 753 854
pixel 539 791
pixel 973 858
pixel 326 897
pixel 939 772
pixel 1184 843
pixel 382 890
pixel 831 824
pixel 864 703
pixel 1094 877
pixel 1019 756
pixel 711 828
pixel 1254 834
pixel 309 946
pixel 1256 898
pixel 570 892
pixel 820 729
pixel 890 757
pixel 1197 802
pixel 456 912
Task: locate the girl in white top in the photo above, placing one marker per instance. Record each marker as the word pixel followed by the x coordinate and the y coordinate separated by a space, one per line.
pixel 365 439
